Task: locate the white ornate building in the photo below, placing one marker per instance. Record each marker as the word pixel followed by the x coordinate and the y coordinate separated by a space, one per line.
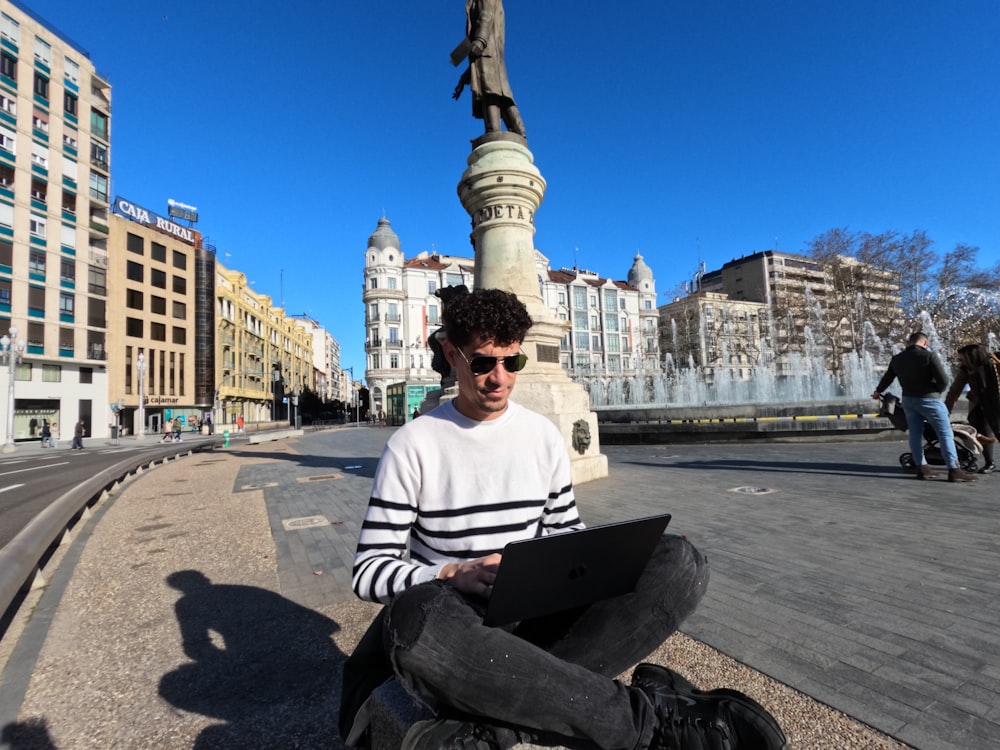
pixel 610 325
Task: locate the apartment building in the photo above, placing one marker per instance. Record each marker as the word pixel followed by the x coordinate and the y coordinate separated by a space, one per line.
pixel 162 344
pixel 55 157
pixel 610 324
pixel 326 359
pixel 262 355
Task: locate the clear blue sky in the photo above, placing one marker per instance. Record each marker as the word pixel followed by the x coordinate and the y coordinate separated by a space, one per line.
pixel 684 130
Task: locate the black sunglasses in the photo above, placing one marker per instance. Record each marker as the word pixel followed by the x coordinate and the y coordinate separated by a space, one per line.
pixel 481 364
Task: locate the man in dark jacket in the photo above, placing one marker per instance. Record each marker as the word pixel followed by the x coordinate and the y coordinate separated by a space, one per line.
pixel 923 379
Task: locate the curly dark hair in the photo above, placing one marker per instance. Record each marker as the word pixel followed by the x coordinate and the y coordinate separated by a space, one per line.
pixel 489 314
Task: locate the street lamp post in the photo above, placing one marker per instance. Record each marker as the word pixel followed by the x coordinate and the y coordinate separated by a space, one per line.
pixel 275 383
pixel 12 351
pixel 141 367
pixel 295 407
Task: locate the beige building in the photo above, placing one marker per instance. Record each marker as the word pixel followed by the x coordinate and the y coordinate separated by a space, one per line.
pixel 55 155
pixel 261 355
pixel 709 331
pixel 155 270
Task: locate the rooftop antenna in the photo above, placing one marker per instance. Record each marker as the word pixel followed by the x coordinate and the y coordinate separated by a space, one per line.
pixel 576 260
pixel 281 287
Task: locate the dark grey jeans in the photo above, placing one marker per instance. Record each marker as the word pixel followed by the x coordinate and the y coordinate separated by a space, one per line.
pixel 552 677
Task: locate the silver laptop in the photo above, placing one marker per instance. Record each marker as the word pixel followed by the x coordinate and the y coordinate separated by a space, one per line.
pixel 553 573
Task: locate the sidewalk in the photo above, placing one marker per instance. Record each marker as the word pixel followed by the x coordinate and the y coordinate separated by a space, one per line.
pixel 207 604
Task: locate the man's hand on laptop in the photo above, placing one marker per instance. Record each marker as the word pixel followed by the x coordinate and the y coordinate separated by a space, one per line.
pixel 472 576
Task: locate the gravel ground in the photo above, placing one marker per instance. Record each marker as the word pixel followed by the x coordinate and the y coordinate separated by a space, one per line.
pixel 140 657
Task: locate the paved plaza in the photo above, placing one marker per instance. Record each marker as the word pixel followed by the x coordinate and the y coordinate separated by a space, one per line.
pixel 208 603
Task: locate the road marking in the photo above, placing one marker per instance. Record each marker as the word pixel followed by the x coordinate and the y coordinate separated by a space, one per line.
pixel 33 468
pixel 12 487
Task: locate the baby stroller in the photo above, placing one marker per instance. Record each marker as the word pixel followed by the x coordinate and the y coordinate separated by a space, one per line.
pixel 967 444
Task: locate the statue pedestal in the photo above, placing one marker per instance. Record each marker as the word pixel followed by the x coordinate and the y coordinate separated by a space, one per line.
pixel 501 189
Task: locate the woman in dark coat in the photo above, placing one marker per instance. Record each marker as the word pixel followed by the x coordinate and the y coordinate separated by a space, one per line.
pixel 980 370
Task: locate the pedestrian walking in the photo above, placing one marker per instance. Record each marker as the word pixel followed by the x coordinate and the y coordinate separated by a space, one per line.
pixel 78 432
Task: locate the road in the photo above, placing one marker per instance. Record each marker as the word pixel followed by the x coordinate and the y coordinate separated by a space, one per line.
pixel 32 477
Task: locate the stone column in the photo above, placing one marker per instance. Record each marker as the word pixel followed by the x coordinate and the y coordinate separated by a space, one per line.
pixel 502 189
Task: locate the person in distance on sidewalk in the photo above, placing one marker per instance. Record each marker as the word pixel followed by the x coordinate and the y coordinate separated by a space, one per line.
pixel 923 378
pixel 452 488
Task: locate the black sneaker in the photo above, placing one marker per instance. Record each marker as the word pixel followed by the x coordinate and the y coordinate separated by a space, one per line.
pixel 456 734
pixel 705 720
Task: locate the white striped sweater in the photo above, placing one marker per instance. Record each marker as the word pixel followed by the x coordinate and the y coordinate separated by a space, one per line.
pixel 449 488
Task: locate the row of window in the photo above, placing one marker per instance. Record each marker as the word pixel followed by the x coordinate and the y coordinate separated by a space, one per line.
pixel 50 373
pixel 135 300
pixel 157 277
pixel 136 244
pixel 34 337
pixel 136 327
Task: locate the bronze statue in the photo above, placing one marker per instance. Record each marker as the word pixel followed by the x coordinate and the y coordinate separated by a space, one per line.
pixel 492 98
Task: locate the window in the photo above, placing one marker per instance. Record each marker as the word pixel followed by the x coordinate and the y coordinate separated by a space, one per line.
pixel 6 253
pixel 133 327
pixel 432 314
pixel 158 304
pixel 133 299
pixel 41 86
pixel 392 282
pixel 134 244
pixel 23 371
pixel 180 310
pixel 158 278
pixel 8 66
pixel 52 373
pixel 180 335
pixel 7 139
pixel 67 270
pixel 36 263
pixel 5 292
pixel 158 252
pixel 373 283
pixel 6 176
pixel 43 52
pixel 6 215
pixel 39 155
pixel 36 302
pixel 40 120
pixel 180 260
pixel 10 29
pixel 86 374
pixel 97 280
pixel 394 361
pixel 453 279
pixel 99 124
pixel 133 271
pixel 96 315
pixel 432 287
pixel 99 187
pixel 180 285
pixel 39 189
pixel 69 202
pixel 70 138
pixel 37 226
pixel 71 70
pixel 99 155
pixel 157 332
pixel 7 104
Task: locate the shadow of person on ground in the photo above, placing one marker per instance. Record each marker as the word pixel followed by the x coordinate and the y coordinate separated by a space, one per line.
pixel 32 734
pixel 265 665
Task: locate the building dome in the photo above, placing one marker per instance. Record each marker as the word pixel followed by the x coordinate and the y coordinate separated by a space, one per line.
pixel 639 271
pixel 383 237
